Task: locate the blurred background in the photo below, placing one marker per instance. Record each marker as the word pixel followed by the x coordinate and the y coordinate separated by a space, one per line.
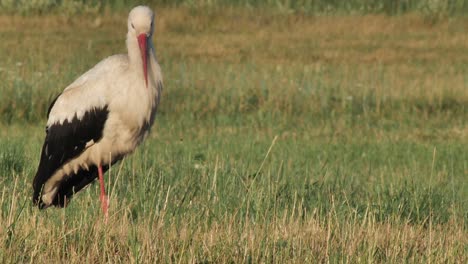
pixel 389 7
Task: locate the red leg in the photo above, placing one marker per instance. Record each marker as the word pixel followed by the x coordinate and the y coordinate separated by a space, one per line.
pixel 103 196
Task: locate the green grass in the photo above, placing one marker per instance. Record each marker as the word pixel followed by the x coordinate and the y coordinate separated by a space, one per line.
pixel 280 138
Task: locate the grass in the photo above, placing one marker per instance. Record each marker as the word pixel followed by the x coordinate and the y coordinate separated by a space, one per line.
pixel 280 138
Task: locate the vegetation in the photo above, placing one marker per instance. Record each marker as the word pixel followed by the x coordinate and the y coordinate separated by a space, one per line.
pixel 281 137
pixel 390 7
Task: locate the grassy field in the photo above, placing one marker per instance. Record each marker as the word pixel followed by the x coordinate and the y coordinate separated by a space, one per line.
pixel 281 138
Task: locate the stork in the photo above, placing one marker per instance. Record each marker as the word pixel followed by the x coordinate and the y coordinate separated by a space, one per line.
pixel 99 118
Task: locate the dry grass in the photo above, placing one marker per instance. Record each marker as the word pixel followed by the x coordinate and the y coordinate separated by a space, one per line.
pixel 287 238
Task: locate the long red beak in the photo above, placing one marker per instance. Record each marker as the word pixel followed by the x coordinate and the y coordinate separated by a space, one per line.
pixel 142 40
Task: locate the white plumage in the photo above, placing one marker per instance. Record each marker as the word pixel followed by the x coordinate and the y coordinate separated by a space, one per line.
pixel 100 117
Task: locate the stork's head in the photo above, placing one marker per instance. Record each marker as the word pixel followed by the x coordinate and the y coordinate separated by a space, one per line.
pixel 141 26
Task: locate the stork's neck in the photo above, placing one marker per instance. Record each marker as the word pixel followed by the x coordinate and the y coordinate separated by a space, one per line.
pixel 134 55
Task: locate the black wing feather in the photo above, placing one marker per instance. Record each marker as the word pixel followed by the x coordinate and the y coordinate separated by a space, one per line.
pixel 64 142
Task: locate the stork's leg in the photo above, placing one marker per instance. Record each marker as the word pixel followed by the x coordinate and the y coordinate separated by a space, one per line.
pixel 103 196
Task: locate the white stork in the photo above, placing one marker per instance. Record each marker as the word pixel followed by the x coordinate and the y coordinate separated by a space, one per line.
pixel 101 117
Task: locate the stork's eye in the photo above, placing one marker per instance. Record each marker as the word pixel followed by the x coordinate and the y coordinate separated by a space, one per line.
pixel 133 26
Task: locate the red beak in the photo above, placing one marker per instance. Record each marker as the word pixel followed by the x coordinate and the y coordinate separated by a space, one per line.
pixel 142 40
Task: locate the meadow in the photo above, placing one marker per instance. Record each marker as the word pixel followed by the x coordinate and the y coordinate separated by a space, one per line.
pixel 282 137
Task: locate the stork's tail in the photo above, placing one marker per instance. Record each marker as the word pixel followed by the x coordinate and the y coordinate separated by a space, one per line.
pixel 69 185
pixel 74 183
pixel 41 177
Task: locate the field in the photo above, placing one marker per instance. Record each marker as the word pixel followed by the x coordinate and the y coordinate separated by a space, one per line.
pixel 281 138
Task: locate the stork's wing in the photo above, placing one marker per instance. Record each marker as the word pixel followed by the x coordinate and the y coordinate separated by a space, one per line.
pixel 65 141
pixel 90 90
